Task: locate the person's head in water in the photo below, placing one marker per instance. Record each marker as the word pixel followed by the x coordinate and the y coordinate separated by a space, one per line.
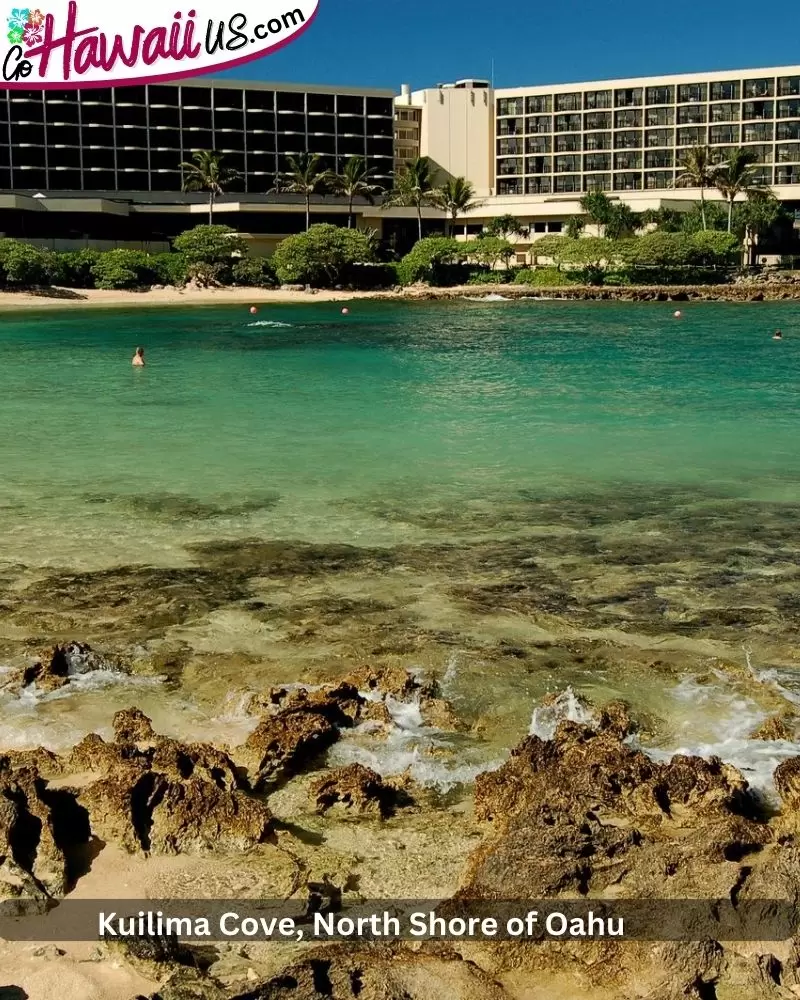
pixel 138 358
pixel 777 335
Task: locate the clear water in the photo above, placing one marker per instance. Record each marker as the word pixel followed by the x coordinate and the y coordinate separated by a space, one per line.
pixel 409 427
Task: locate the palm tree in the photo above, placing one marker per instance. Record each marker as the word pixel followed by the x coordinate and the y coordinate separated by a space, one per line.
pixel 355 181
pixel 598 208
pixel 413 187
pixel 456 197
pixel 735 176
pixel 306 176
pixel 206 173
pixel 700 171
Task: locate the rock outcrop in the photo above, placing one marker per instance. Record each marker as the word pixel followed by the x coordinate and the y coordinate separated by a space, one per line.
pixel 53 669
pixel 38 827
pixel 358 789
pixel 173 798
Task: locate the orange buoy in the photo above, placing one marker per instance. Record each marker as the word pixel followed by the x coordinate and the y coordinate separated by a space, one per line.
pixel 253 310
pixel 345 312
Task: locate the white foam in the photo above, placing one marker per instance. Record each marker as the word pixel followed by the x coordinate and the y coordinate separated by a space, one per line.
pixel 566 707
pixel 269 322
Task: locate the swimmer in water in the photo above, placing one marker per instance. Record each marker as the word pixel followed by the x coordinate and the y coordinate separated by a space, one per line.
pixel 138 358
pixel 777 335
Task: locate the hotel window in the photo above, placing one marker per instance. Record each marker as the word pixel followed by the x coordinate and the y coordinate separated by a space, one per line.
pixel 512 165
pixel 568 123
pixel 691 136
pixel 539 227
pixel 538 144
pixel 788 130
pixel 541 123
pixel 555 227
pixel 721 154
pixel 538 165
pixel 628 161
pixel 660 116
pixel 629 118
pixel 597 99
pixel 788 109
pixel 756 110
pixel 757 132
pixel 537 185
pixel 510 106
pixel 658 180
pixel 509 147
pixel 567 164
pixel 763 154
pixel 565 183
pixel 725 90
pixel 789 86
pixel 659 159
pixel 568 142
pixel 597 140
pixel 510 126
pixel 692 93
pixel 628 97
pixel 597 161
pixel 406 115
pixel 725 112
pixel 787 175
pixel 719 134
pixel 659 137
pixel 597 119
pixel 542 105
pixel 627 182
pixel 598 182
pixel 568 102
pixel 761 176
pixel 692 114
pixel 661 95
pixel 509 186
pixel 628 140
pixel 788 153
pixel 759 88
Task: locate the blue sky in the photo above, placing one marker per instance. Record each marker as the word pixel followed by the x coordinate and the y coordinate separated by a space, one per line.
pixel 383 43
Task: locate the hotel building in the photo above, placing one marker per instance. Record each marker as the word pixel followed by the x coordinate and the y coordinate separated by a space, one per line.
pixel 96 167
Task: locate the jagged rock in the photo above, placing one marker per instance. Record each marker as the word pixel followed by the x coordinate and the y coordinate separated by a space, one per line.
pixel 343 972
pixel 784 726
pixel 170 798
pixel 39 758
pixel 615 717
pixel 189 984
pixel 356 787
pixel 53 668
pixel 132 726
pixel 787 783
pixel 37 826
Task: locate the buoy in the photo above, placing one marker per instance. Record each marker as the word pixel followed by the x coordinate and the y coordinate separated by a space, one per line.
pixel 677 314
pixel 253 310
pixel 345 312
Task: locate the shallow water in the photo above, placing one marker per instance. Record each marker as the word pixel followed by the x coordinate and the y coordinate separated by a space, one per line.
pixel 539 495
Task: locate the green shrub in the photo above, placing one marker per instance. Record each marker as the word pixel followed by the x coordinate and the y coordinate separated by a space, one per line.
pixel 489 278
pixel 542 277
pixel 369 276
pixel 322 256
pixel 210 245
pixel 73 268
pixel 123 269
pixel 169 269
pixel 210 275
pixel 23 265
pixel 255 272
pixel 431 260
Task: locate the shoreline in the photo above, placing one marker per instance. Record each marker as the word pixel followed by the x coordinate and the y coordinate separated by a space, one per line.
pixel 57 298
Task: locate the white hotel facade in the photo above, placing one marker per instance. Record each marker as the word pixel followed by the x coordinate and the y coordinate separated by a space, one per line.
pixel 533 152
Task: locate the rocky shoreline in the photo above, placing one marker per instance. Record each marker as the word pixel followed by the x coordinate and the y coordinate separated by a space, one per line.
pixel 584 814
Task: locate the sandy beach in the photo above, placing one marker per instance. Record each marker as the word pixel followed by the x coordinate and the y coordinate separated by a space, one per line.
pixel 61 298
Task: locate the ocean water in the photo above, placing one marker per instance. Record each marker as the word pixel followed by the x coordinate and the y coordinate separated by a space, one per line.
pixel 540 495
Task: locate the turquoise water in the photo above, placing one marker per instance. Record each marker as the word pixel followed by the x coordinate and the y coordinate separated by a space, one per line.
pixel 394 400
pixel 545 494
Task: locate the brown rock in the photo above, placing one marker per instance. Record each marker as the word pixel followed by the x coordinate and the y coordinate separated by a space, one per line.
pixel 356 787
pixel 36 828
pixel 132 726
pixel 94 755
pixel 282 744
pixel 777 727
pixel 787 783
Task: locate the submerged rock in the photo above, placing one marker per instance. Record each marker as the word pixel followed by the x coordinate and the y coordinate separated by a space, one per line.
pixel 53 669
pixel 785 726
